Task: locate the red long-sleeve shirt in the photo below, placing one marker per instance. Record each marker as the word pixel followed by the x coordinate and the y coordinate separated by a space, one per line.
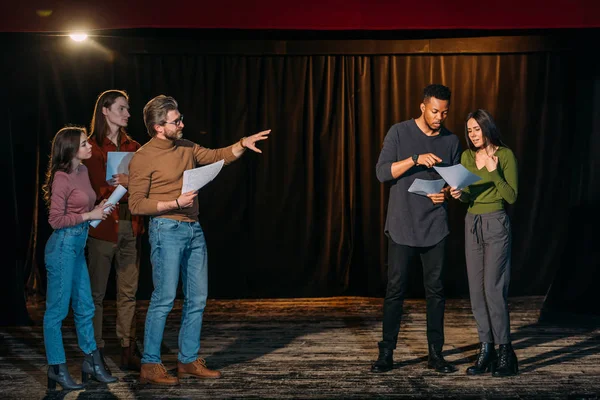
pixel 109 228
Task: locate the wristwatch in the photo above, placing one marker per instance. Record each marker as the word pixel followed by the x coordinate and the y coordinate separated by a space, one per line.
pixel 415 158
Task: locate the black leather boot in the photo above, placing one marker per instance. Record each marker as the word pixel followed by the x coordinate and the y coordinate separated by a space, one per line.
pixel 131 358
pixel 60 374
pixel 485 360
pixel 385 361
pixel 93 367
pixel 101 350
pixel 436 360
pixel 507 364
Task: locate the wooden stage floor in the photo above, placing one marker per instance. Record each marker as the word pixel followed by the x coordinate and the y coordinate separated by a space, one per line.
pixel 322 349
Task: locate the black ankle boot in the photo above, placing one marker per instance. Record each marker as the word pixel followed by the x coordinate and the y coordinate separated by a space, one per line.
pixel 93 367
pixel 385 361
pixel 60 374
pixel 436 360
pixel 101 350
pixel 507 364
pixel 485 360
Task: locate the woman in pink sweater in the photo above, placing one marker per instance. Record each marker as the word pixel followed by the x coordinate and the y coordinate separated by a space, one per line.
pixel 70 199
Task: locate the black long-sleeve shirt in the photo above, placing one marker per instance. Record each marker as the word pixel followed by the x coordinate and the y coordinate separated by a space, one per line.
pixel 412 219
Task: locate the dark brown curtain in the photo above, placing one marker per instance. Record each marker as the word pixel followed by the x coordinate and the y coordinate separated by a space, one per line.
pixel 306 217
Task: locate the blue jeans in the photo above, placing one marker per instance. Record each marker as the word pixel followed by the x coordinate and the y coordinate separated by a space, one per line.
pixel 176 245
pixel 68 280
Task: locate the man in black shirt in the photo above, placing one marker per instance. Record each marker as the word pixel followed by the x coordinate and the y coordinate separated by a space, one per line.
pixel 416 224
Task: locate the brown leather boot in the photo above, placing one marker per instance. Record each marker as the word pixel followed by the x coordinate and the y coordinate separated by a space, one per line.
pixel 156 374
pixel 130 358
pixel 196 369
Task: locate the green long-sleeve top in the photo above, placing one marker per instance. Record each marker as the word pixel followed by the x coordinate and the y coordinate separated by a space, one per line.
pixel 494 188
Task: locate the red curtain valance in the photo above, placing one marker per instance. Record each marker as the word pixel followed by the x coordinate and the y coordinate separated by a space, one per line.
pixel 49 16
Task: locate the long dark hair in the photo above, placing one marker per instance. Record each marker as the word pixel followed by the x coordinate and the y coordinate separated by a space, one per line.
pixel 65 146
pixel 99 127
pixel 489 130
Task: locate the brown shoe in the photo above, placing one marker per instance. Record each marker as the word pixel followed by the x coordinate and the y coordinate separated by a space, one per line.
pixel 196 369
pixel 156 374
pixel 130 358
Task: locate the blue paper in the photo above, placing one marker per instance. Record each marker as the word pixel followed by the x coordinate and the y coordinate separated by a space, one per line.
pixel 117 162
pixel 457 176
pixel 423 187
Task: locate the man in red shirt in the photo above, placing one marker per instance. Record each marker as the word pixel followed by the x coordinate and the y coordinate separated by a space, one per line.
pixel 118 237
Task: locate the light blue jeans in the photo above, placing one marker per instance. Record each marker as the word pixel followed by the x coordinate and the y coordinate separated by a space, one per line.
pixel 68 281
pixel 176 246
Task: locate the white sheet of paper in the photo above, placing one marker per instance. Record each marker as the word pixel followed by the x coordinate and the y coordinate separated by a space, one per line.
pixel 195 179
pixel 117 162
pixel 457 176
pixel 425 187
pixel 113 199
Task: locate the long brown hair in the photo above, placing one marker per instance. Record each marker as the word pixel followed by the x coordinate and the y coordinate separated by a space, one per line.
pixel 489 130
pixel 99 127
pixel 65 146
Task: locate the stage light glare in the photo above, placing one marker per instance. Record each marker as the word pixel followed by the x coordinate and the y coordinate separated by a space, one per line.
pixel 78 37
pixel 43 13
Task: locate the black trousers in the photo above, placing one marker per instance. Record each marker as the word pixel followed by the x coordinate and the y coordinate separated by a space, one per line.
pixel 433 259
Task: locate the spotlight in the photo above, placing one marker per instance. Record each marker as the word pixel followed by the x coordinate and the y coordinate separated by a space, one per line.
pixel 78 37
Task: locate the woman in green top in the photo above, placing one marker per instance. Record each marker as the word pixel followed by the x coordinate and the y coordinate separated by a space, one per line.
pixel 488 241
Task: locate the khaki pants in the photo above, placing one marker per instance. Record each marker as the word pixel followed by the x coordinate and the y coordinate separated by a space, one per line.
pixel 125 253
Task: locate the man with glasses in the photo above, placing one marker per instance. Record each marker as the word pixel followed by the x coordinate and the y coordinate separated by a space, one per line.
pixel 176 238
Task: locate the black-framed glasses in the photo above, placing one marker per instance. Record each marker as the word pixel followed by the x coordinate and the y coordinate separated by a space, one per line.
pixel 176 122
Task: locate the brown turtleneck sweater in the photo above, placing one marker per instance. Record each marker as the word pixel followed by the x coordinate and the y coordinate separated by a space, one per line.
pixel 156 174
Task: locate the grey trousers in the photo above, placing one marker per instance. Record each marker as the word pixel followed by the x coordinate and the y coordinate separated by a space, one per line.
pixel 488 253
pixel 101 254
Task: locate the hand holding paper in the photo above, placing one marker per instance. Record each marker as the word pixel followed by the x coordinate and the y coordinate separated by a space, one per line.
pixel 457 176
pixel 119 179
pixel 117 162
pixel 186 199
pixel 113 199
pixel 424 187
pixel 456 193
pixel 99 211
